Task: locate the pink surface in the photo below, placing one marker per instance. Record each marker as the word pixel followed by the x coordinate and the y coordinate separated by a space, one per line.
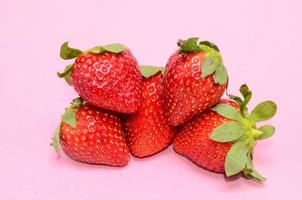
pixel 261 44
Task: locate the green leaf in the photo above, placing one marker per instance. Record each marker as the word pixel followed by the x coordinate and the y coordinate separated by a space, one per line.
pixel 256 176
pixel 189 45
pixel 264 111
pixel 148 71
pixel 66 73
pixel 236 158
pixel 212 64
pixel 221 75
pixel 69 53
pixel 245 102
pixel 228 111
pixel 67 79
pixel 244 90
pixel 267 131
pixel 209 44
pixel 55 140
pixel 69 117
pixel 251 172
pixel 237 99
pixel 247 95
pixel 227 132
pixel 114 48
pixel 77 102
pixel 96 50
pixel 208 66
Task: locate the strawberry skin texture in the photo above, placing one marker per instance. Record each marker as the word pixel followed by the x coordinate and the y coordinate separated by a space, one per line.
pixel 147 131
pixel 186 93
pixel 108 80
pixel 194 143
pixel 97 139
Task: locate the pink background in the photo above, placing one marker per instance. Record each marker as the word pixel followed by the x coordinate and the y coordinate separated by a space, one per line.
pixel 261 44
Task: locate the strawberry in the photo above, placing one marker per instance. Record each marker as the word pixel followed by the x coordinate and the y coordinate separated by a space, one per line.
pixel 222 139
pixel 147 131
pixel 104 76
pixel 194 81
pixel 92 135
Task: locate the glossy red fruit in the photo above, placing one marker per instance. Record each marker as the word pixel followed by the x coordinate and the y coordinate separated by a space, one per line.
pixel 147 131
pixel 223 139
pixel 190 83
pixel 107 79
pixel 97 137
pixel 193 141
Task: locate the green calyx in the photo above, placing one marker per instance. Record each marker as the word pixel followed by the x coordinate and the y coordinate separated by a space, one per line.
pixel 112 48
pixel 69 117
pixel 243 132
pixel 148 70
pixel 212 64
pixel 68 53
pixel 55 140
pixel 66 74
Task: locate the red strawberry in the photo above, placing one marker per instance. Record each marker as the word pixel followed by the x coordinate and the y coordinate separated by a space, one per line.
pixel 222 139
pixel 91 135
pixel 195 79
pixel 104 76
pixel 147 131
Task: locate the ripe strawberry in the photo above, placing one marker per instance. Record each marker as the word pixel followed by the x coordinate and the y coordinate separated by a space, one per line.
pixel 105 76
pixel 194 81
pixel 147 131
pixel 91 135
pixel 223 139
